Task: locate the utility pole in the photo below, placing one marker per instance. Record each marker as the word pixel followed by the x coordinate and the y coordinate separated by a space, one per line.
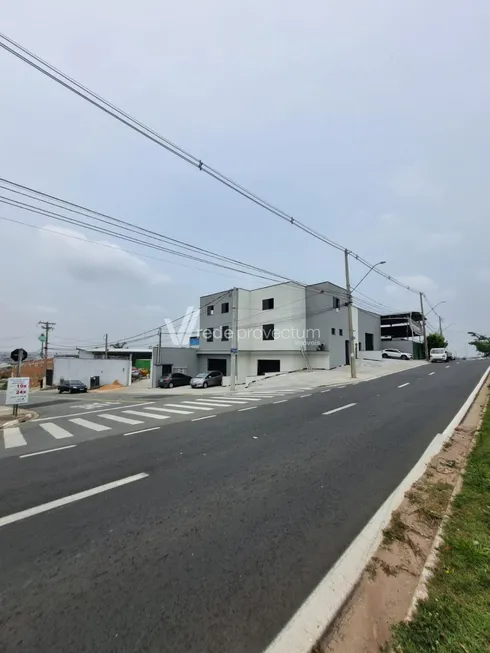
pixel 352 339
pixel 47 327
pixel 426 344
pixel 106 341
pixel 234 338
pixel 159 350
pixel 440 325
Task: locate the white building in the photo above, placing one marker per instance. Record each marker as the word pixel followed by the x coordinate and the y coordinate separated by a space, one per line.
pixel 281 328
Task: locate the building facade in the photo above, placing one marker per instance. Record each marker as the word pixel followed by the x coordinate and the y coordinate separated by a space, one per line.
pixel 281 328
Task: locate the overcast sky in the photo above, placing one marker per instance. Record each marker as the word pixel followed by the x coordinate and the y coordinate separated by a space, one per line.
pixel 369 121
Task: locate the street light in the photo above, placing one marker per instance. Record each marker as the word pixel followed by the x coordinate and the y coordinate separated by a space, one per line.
pixel 370 270
pixel 434 308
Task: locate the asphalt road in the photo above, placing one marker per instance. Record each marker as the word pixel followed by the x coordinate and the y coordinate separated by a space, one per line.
pixel 238 518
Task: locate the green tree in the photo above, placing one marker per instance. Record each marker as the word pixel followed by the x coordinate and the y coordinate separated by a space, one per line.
pixel 481 343
pixel 435 340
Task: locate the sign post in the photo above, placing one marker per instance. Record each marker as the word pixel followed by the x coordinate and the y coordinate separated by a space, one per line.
pixel 17 388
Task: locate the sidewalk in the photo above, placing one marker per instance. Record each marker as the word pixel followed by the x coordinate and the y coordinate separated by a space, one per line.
pixel 366 370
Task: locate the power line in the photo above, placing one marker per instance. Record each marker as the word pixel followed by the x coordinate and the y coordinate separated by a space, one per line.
pixel 96 100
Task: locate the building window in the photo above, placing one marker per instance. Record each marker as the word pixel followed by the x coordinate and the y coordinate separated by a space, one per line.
pixel 360 347
pixel 369 341
pixel 333 331
pixel 208 334
pixel 225 333
pixel 268 332
pixel 268 304
pixel 336 302
pixel 210 310
pixel 225 308
pixel 341 332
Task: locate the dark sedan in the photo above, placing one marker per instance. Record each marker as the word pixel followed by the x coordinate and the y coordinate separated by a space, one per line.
pixel 173 380
pixel 71 386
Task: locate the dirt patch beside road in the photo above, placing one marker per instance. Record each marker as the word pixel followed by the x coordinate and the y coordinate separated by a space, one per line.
pixel 386 589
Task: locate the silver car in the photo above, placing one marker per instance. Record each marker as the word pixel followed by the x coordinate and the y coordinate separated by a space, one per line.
pixel 205 379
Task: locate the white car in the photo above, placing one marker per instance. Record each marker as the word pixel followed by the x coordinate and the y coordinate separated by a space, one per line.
pixel 438 355
pixel 396 353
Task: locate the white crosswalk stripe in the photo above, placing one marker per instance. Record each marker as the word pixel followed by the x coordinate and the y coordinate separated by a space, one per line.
pixel 56 431
pixel 152 415
pixel 191 404
pixel 122 420
pixel 228 401
pixel 12 437
pixel 249 398
pixel 93 426
pixel 206 402
pixel 173 410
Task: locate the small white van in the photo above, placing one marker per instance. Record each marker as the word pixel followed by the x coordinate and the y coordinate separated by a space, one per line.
pixel 438 355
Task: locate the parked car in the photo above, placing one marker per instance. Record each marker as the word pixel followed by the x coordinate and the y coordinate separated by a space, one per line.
pixel 135 373
pixel 396 353
pixel 438 355
pixel 206 379
pixel 173 380
pixel 71 386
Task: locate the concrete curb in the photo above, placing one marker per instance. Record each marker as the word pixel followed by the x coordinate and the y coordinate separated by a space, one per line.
pixel 23 418
pixel 322 607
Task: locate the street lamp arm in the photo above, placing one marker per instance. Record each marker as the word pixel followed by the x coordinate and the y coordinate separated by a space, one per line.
pixel 368 272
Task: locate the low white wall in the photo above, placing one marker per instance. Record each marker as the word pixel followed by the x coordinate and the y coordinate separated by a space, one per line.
pixel 369 355
pixel 81 369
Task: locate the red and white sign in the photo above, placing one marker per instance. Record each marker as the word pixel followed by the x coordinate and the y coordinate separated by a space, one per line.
pixel 17 391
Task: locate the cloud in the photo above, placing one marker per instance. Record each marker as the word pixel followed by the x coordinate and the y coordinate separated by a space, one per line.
pixel 96 261
pixel 46 309
pixel 412 182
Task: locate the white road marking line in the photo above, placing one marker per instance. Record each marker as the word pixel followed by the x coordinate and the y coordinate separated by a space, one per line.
pixel 40 453
pixel 172 410
pixel 123 420
pixel 336 410
pixel 89 412
pixel 153 415
pixel 303 396
pixel 198 419
pixel 281 401
pixel 240 410
pixel 191 404
pixel 230 401
pixel 57 503
pixel 448 366
pixel 431 373
pixel 323 391
pixel 93 426
pixel 214 404
pixel 340 387
pixel 246 398
pixel 269 396
pixel 56 431
pixel 403 385
pixel 153 428
pixel 13 437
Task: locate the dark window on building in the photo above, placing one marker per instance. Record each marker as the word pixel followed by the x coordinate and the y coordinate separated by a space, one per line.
pixel 341 332
pixel 268 332
pixel 333 331
pixel 267 304
pixel 360 347
pixel 208 334
pixel 225 333
pixel 336 302
pixel 225 308
pixel 210 310
pixel 369 341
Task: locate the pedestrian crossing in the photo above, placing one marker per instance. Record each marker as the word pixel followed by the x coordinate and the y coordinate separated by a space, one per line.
pixel 100 422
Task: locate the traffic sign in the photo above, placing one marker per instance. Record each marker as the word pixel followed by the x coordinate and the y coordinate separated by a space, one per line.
pixel 42 338
pixel 17 391
pixel 18 354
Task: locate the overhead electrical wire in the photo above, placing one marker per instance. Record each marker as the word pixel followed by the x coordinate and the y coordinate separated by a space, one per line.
pixel 98 101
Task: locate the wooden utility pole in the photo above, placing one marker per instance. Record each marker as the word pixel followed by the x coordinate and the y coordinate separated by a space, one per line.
pixel 426 344
pixel 352 338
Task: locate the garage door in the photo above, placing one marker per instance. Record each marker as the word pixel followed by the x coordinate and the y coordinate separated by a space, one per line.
pixel 218 364
pixel 267 367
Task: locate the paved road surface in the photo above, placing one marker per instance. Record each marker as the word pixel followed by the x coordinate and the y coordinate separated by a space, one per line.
pixel 239 518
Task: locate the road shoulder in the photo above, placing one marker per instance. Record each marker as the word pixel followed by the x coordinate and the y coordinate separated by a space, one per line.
pixel 398 570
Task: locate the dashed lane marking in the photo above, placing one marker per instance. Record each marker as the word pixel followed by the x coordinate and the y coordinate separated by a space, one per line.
pixel 336 410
